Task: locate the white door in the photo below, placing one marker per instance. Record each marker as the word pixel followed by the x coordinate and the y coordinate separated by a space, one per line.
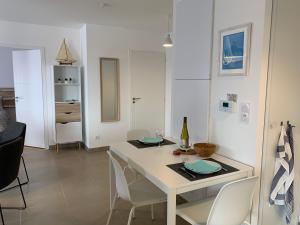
pixel 29 95
pixel 148 89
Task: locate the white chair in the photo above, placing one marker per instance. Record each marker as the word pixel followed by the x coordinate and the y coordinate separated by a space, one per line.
pixel 137 134
pixel 231 206
pixel 138 193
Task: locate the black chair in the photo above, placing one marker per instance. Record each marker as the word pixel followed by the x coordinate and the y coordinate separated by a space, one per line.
pixel 12 132
pixel 1 215
pixel 10 158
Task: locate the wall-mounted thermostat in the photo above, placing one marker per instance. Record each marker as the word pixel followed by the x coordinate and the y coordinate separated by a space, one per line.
pixel 227 106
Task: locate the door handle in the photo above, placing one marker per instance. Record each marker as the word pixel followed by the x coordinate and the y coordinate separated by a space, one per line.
pixel 134 99
pixel 18 98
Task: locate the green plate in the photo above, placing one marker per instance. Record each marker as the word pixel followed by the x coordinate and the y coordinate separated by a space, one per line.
pixel 150 140
pixel 203 167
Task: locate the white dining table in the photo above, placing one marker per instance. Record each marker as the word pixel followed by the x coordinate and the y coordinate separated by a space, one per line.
pixel 152 163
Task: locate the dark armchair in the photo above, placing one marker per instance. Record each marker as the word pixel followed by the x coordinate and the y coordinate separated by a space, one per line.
pixel 10 158
pixel 12 132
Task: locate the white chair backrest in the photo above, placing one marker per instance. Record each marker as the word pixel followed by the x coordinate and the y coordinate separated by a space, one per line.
pixel 121 182
pixel 233 203
pixel 137 134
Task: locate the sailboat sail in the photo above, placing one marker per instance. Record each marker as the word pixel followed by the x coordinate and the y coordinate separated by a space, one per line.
pixel 64 55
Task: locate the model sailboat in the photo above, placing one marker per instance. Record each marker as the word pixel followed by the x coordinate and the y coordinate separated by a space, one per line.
pixel 64 56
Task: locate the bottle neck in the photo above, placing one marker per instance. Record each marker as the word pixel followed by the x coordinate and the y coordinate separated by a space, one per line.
pixel 184 120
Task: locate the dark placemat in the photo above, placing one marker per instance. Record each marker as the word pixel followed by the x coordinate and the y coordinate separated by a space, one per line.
pixel 138 144
pixel 176 168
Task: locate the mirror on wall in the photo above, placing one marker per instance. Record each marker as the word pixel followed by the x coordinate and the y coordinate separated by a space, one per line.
pixel 110 93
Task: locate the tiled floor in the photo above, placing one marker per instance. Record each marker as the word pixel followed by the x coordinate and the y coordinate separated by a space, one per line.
pixel 70 188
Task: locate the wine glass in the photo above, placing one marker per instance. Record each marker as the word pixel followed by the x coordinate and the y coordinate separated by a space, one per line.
pixel 159 134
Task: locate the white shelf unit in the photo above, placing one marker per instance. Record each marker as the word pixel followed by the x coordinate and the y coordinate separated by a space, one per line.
pixel 68 107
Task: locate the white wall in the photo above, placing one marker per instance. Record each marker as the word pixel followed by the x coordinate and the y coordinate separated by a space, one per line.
pixel 84 103
pixel 192 39
pixel 168 92
pixel 238 140
pixel 6 68
pixel 46 37
pixel 191 67
pixel 103 41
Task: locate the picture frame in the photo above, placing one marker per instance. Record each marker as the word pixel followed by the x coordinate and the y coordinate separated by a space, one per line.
pixel 234 54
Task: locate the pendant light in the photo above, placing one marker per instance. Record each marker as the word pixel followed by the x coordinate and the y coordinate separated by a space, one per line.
pixel 168 43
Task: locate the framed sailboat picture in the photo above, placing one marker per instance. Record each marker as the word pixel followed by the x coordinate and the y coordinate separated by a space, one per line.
pixel 235 50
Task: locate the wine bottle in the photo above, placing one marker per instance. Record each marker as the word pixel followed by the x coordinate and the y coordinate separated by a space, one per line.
pixel 185 134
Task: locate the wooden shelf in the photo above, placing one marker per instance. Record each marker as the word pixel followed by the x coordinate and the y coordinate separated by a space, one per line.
pixel 68 124
pixel 68 102
pixel 63 84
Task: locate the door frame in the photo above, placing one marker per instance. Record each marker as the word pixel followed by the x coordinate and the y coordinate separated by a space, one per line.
pixel 131 108
pixel 270 29
pixel 44 83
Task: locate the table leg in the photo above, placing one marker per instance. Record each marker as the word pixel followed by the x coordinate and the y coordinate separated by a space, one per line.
pixel 171 211
pixel 112 184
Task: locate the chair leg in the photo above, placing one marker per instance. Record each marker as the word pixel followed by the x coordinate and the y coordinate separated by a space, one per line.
pixel 133 214
pixel 21 190
pixel 130 215
pixel 111 210
pixel 152 212
pixel 25 168
pixel 27 177
pixel 2 218
pixel 109 217
pixel 23 198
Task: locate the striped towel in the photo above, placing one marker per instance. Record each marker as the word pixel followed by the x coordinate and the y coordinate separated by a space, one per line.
pixel 289 200
pixel 283 176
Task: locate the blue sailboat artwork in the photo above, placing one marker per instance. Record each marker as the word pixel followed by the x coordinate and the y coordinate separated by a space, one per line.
pixel 233 51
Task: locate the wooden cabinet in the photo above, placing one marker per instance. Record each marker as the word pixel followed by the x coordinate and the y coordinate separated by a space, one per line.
pixel 73 107
pixel 68 110
pixel 71 132
pixel 67 117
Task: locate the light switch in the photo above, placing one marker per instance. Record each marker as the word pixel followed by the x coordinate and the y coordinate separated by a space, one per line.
pixel 245 112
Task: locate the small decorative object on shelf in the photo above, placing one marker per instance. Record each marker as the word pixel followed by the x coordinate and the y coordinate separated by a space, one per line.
pixel 66 81
pixel 59 80
pixel 185 135
pixel 64 56
pixel 70 80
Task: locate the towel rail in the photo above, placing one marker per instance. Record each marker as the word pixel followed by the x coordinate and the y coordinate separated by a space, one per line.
pixel 288 123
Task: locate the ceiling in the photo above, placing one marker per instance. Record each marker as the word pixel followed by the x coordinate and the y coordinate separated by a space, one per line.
pixel 140 14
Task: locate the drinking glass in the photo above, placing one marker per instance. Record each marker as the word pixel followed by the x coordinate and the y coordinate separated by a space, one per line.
pixel 159 134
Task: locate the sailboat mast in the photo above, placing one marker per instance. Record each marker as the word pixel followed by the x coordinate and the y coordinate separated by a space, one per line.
pixel 66 49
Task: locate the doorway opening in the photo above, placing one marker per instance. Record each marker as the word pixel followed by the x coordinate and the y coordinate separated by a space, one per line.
pixel 21 92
